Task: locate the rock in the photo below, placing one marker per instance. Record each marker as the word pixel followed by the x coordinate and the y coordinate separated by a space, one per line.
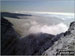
pixel 66 42
pixel 34 44
pixel 8 38
pixel 72 28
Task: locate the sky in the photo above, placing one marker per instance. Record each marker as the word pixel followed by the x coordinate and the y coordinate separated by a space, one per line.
pixel 38 5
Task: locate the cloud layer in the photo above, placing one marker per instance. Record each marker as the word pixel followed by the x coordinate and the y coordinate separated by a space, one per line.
pixel 28 26
pixel 54 29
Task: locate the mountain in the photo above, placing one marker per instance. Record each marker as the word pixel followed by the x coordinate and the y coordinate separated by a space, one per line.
pixel 46 44
pixel 65 43
pixel 8 38
pixel 35 43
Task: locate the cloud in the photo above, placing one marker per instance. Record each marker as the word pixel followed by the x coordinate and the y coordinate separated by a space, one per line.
pixel 54 29
pixel 28 26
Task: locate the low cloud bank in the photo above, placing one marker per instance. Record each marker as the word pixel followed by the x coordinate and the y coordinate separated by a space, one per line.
pixel 27 26
pixel 54 29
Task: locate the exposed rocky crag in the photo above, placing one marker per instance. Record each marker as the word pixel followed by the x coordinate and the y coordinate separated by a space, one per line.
pixel 66 42
pixel 9 38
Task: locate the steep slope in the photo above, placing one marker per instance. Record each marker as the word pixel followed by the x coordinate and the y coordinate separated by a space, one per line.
pixel 65 43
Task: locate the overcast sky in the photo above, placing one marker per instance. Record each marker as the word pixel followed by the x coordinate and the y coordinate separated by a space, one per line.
pixel 38 5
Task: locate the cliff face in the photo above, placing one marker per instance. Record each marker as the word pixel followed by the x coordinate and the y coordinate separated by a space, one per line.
pixel 8 37
pixel 66 42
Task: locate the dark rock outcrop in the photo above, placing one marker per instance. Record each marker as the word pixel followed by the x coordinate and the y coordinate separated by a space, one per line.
pixel 33 43
pixel 8 38
pixel 36 44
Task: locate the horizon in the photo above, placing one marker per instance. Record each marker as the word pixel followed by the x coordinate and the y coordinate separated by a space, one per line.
pixel 64 6
pixel 43 12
